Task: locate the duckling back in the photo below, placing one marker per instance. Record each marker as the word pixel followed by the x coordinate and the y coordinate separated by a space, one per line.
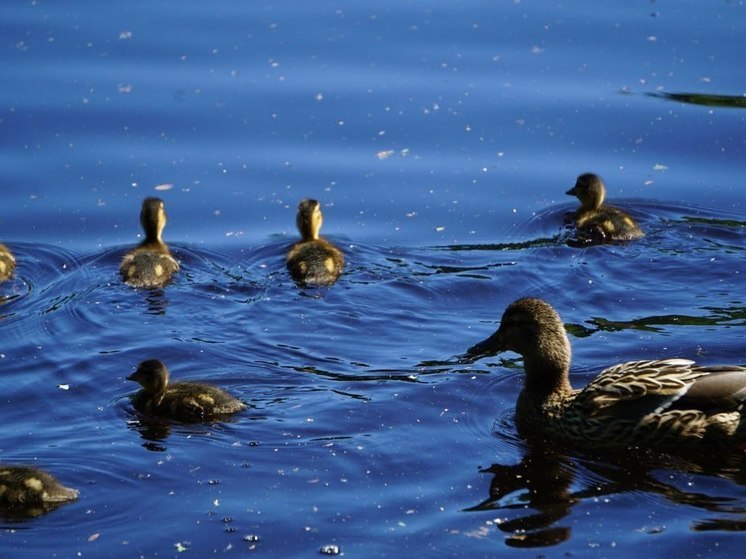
pixel 315 262
pixel 7 263
pixel 607 224
pixel 148 266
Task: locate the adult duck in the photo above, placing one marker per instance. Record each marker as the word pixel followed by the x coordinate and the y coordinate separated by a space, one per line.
pixel 664 403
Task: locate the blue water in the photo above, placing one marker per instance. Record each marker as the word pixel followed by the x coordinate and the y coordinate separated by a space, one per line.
pixel 440 141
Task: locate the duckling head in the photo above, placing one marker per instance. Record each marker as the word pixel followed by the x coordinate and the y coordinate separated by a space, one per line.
pixel 153 219
pixel 590 190
pixel 153 377
pixel 309 219
pixel 50 490
pixel 533 329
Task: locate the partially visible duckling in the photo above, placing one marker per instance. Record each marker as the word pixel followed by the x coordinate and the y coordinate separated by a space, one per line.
pixel 597 221
pixel 25 486
pixel 183 401
pixel 313 260
pixel 150 264
pixel 7 263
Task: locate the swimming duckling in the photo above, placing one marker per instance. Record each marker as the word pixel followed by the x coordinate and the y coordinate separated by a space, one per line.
pixel 669 403
pixel 313 260
pixel 7 263
pixel 183 401
pixel 596 220
pixel 24 486
pixel 150 264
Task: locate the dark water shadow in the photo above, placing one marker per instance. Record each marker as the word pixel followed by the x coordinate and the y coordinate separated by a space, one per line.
pixel 27 511
pixel 707 100
pixel 543 488
pixel 712 316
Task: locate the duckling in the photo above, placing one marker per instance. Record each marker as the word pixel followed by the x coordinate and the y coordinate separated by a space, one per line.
pixel 183 401
pixel 150 264
pixel 670 403
pixel 7 263
pixel 313 260
pixel 25 486
pixel 597 221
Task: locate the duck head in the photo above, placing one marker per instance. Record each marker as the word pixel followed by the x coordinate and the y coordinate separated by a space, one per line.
pixel 153 219
pixel 590 190
pixel 153 377
pixel 309 219
pixel 533 329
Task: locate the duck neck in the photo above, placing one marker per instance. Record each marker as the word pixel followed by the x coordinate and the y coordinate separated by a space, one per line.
pixel 310 234
pixel 547 378
pixel 153 235
pixel 158 397
pixel 596 202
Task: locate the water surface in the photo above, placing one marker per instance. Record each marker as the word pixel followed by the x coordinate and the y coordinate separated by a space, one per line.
pixel 440 141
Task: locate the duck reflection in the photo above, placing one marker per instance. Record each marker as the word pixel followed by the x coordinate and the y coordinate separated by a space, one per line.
pixel 541 483
pixel 152 430
pixel 547 483
pixel 156 301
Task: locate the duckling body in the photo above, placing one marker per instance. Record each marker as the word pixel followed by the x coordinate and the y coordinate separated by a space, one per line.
pixel 313 260
pixel 596 220
pixel 25 486
pixel 150 264
pixel 665 403
pixel 183 401
pixel 7 263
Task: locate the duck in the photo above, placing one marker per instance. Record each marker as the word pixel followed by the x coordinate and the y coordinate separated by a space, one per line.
pixel 7 263
pixel 596 221
pixel 150 264
pixel 183 401
pixel 313 261
pixel 26 486
pixel 666 403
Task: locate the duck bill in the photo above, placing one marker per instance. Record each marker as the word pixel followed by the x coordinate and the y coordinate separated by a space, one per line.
pixel 61 494
pixel 572 191
pixel 490 346
pixel 133 376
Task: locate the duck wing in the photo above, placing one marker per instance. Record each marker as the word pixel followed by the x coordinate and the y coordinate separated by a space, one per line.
pixel 632 390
